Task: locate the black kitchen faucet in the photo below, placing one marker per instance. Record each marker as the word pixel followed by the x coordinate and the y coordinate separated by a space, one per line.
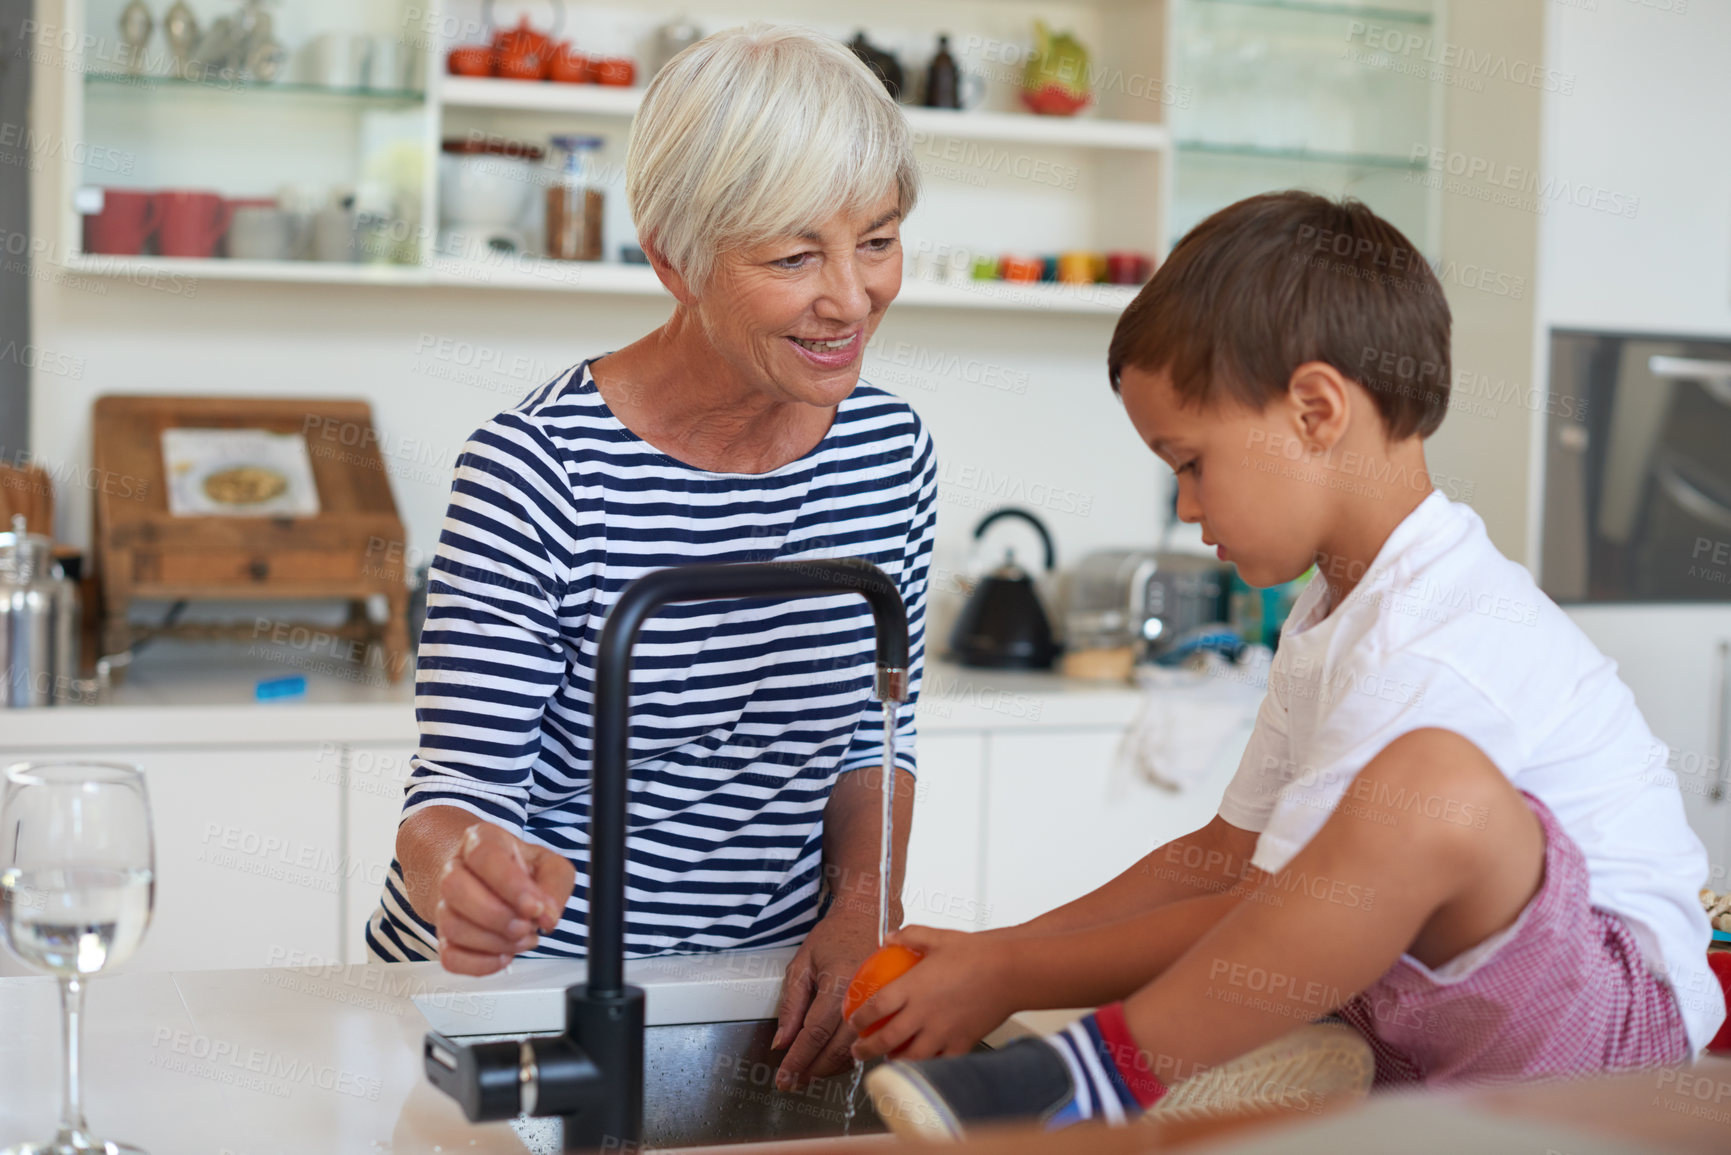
pixel 592 1075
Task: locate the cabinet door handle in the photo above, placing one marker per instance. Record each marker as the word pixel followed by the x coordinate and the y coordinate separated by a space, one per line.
pixel 1724 743
pixel 1713 376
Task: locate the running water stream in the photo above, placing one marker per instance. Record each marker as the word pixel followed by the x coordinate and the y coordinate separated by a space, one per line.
pixel 885 854
pixel 884 843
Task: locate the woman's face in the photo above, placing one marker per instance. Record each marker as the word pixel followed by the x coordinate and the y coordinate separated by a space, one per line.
pixel 793 315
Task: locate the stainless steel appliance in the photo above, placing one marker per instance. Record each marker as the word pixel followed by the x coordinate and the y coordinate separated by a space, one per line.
pixel 39 619
pixel 1637 469
pixel 1141 598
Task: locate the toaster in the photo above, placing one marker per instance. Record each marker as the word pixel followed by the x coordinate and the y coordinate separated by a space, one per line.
pixel 1142 599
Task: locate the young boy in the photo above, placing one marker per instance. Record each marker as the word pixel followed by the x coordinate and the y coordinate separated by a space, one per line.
pixel 1451 828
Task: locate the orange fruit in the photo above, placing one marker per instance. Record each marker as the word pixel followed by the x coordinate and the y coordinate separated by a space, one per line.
pixel 885 966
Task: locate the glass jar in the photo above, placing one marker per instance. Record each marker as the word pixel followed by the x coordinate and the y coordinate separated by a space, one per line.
pixel 575 201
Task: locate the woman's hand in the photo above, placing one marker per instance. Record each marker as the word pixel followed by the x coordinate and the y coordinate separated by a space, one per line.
pixel 954 997
pixel 809 1014
pixel 495 892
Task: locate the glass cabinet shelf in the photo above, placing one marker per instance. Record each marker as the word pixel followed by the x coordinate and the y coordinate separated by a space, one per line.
pixel 1300 155
pixel 1355 11
pixel 119 82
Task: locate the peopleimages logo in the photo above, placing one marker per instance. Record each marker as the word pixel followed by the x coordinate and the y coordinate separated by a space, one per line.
pixel 1518 186
pixel 1456 62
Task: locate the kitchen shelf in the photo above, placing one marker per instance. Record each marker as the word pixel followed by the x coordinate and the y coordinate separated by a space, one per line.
pixel 538 96
pixel 1008 127
pixel 1364 12
pixel 521 272
pixel 610 277
pixel 1026 128
pixel 1109 300
pixel 613 277
pixel 222 269
pixel 1299 155
pixel 117 82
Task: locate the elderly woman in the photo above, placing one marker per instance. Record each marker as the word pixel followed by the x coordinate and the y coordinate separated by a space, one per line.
pixel 768 175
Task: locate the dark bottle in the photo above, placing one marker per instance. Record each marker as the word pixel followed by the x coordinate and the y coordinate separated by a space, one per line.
pixel 943 82
pixel 883 63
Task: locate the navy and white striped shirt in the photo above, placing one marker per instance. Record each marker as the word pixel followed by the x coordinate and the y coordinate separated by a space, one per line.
pixel 743 712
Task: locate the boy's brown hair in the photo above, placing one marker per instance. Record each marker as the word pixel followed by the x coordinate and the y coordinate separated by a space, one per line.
pixel 1269 283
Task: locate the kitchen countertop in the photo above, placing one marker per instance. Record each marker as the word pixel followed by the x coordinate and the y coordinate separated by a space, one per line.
pixel 180 694
pixel 325 1060
pixel 319 1059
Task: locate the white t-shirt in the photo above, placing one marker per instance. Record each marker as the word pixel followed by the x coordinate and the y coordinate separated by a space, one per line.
pixel 1443 631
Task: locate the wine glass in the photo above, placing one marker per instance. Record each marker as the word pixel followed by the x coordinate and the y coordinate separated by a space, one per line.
pixel 76 886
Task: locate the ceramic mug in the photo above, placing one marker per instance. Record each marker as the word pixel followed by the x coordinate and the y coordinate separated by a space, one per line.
pixel 259 231
pixel 958 266
pixel 1020 270
pixel 334 234
pixel 192 222
pixel 338 59
pixel 385 64
pixel 1128 268
pixel 1076 268
pixel 126 221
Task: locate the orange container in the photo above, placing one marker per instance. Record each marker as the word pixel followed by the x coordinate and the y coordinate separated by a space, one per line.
pixel 1021 270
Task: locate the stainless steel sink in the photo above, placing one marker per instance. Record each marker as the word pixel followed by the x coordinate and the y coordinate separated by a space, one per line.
pixel 706 1084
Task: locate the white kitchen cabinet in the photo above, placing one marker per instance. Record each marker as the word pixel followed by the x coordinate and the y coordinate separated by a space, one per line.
pixel 248 854
pixel 1062 818
pixel 1677 661
pixel 372 798
pixel 945 846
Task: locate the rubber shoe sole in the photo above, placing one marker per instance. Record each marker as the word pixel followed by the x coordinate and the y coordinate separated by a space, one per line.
pixel 1300 1071
pixel 908 1105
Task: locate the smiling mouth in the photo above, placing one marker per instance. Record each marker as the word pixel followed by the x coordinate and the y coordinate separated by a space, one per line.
pixel 834 346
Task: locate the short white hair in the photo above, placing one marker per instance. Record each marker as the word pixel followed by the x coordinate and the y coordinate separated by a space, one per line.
pixel 761 132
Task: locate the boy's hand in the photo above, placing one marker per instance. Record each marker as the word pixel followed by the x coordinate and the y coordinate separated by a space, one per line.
pixel 954 997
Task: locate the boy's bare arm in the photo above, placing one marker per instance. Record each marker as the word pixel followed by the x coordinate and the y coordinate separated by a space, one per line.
pixel 1204 862
pixel 1103 963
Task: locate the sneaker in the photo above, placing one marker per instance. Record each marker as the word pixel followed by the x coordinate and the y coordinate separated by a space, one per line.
pixel 1029 1081
pixel 1325 1062
pixel 938 1098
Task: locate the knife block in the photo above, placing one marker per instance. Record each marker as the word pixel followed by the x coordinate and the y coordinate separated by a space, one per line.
pixel 351 550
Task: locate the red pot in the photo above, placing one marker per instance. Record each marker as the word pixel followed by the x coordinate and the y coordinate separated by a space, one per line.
pixel 569 66
pixel 522 40
pixel 471 60
pixel 615 70
pixel 523 66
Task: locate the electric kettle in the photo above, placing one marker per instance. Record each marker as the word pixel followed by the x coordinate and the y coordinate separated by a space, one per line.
pixel 1003 625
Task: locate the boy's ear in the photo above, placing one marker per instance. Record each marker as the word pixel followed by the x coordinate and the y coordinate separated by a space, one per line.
pixel 1319 399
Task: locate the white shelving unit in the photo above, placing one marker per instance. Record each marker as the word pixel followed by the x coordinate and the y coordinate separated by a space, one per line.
pixel 1101 179
pixel 1004 127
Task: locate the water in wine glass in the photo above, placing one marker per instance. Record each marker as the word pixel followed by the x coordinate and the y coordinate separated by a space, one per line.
pixel 75 920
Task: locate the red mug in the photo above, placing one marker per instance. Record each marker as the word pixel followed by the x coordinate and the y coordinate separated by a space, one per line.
pixel 193 223
pixel 127 219
pixel 1128 268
